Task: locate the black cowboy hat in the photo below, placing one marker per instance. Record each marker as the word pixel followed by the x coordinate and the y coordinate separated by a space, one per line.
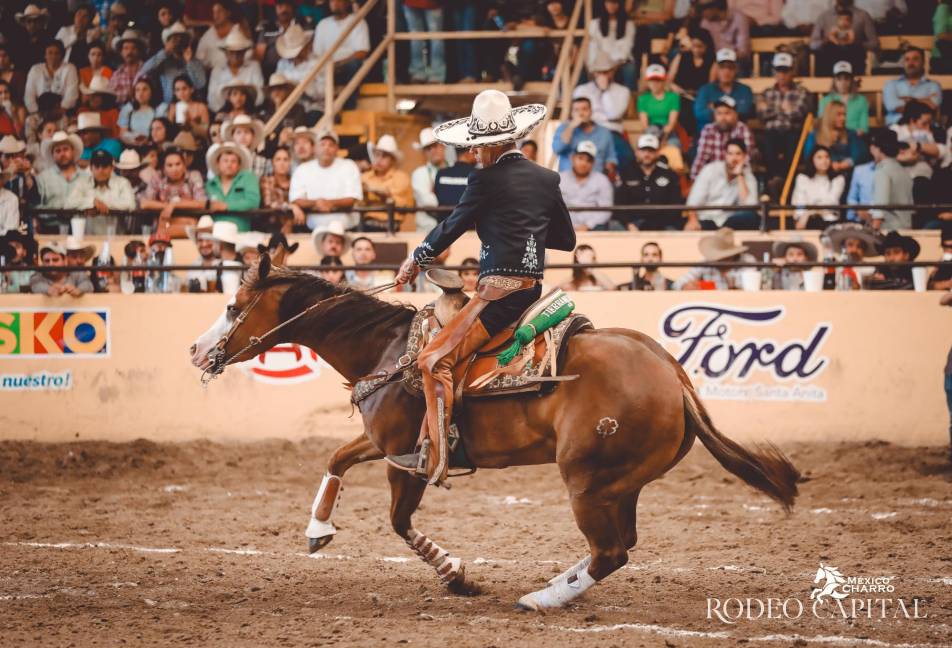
pixel 16 236
pixel 896 240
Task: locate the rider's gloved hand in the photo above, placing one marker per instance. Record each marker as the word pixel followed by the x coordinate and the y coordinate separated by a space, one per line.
pixel 408 272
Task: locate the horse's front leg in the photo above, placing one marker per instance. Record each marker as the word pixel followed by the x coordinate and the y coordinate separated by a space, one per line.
pixel 320 530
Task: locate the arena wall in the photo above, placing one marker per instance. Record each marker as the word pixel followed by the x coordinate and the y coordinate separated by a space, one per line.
pixel 857 366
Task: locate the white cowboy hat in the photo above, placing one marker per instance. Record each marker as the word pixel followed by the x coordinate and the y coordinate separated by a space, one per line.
pixel 75 244
pixel 59 137
pixel 335 228
pixel 31 11
pixel 427 139
pixel 216 150
pixel 235 41
pixel 278 80
pixel 225 232
pixel 386 144
pixel 201 230
pixel 236 83
pixel 97 85
pixel 90 121
pixel 304 131
pixel 720 245
pixel 10 145
pixel 128 35
pixel 251 241
pixel 247 121
pixel 129 160
pixel 292 41
pixel 493 121
pixel 174 29
pixel 602 63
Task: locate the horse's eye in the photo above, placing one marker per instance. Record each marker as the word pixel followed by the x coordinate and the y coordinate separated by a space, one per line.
pixel 232 310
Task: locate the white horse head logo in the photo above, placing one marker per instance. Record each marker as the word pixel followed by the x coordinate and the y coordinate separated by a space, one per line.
pixel 832 580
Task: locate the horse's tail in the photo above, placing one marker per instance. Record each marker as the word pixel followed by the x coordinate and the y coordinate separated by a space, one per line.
pixel 765 468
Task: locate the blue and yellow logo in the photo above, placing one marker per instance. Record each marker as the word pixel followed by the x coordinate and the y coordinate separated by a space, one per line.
pixel 45 333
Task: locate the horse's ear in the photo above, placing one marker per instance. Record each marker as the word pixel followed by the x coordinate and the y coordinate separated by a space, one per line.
pixel 292 249
pixel 262 249
pixel 264 265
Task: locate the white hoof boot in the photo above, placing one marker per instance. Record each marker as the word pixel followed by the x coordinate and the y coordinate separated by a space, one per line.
pixel 571 571
pixel 319 534
pixel 320 529
pixel 557 594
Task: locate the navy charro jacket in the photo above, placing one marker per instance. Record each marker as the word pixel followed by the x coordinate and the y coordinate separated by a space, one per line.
pixel 517 208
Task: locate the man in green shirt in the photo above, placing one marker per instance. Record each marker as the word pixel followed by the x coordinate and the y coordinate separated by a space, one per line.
pixel 234 187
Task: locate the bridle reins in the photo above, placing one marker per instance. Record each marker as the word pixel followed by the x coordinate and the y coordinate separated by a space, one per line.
pixel 216 355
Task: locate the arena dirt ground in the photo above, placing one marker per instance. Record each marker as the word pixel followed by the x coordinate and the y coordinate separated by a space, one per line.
pixel 201 543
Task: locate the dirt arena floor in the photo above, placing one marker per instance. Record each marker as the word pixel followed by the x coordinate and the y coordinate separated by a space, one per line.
pixel 202 544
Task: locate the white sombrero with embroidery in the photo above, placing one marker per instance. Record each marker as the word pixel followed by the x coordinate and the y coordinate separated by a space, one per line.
pixel 493 121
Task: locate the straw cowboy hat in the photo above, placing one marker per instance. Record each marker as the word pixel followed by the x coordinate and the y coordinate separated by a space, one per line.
pixel 278 80
pixel 10 145
pixel 90 121
pixel 720 245
pixel 129 160
pixel 602 63
pixel 335 228
pixel 838 234
pixel 30 13
pixel 130 35
pixel 251 241
pixel 779 249
pixel 493 121
pixel 292 41
pixel 427 139
pixel 215 151
pixel 75 244
pixel 60 137
pixel 386 144
pixel 97 85
pixel 175 29
pixel 185 141
pixel 225 232
pixel 304 131
pixel 235 41
pixel 241 85
pixel 227 131
pixel 202 230
pixel 896 240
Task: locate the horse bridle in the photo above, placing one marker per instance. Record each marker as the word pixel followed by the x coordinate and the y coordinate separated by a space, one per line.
pixel 216 355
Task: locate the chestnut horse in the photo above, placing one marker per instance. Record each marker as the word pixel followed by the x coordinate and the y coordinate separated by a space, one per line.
pixel 630 417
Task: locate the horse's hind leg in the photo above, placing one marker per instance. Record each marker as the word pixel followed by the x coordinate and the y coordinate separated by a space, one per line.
pixel 406 491
pixel 320 530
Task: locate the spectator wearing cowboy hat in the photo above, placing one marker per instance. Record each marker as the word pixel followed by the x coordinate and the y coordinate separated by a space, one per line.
pixel 582 186
pixel 294 48
pixel 265 49
pixel 328 186
pixel 728 182
pixel 234 188
pixel 174 60
pixel 62 173
pixel 849 242
pixel 895 248
pixel 174 187
pixel 225 234
pixel 719 246
pixel 609 102
pixel 714 136
pixel 187 112
pixel 103 191
pixel 99 99
pixel 95 137
pixel 423 178
pixel 235 70
pixel 239 99
pixel 279 87
pixel 248 132
pixel 55 282
pixel 9 203
pixel 385 182
pixel 331 240
pixel 130 47
pixel 53 75
pixel 129 165
pixel 303 145
pixel 792 251
pixel 27 45
pixel 17 249
pixel 225 23
pixel 649 182
pixel 21 182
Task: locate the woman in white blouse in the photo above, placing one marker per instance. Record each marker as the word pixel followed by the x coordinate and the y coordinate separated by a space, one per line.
pixel 53 75
pixel 817 187
pixel 613 34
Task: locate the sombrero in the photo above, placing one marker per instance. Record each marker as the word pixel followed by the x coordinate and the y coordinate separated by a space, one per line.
pixel 237 84
pixel 840 232
pixel 720 245
pixel 493 121
pixel 292 41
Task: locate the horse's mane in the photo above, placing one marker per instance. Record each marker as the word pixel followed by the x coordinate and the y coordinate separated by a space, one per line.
pixel 361 314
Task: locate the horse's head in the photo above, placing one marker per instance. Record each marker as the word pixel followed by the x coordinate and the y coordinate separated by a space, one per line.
pixel 237 333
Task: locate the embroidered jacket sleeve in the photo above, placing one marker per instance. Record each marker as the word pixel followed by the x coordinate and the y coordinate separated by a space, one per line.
pixel 461 219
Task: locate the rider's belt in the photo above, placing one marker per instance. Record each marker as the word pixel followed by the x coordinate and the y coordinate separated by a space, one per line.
pixel 493 287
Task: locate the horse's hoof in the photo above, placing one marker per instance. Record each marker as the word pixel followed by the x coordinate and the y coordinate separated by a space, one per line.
pixel 316 544
pixel 527 604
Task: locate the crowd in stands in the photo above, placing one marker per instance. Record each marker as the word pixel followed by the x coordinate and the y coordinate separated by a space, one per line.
pixel 158 109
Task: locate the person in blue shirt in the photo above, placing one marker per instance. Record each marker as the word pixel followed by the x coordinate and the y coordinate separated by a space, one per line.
pixel 913 84
pixel 846 147
pixel 580 129
pixel 726 84
pixel 861 192
pixel 93 134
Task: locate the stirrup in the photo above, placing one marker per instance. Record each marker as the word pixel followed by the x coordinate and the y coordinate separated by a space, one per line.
pixel 414 462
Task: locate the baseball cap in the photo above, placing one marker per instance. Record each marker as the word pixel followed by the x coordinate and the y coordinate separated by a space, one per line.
pixel 53 246
pixel 588 148
pixel 655 71
pixel 726 55
pixel 726 100
pixel 329 133
pixel 842 67
pixel 648 140
pixel 782 60
pixel 101 158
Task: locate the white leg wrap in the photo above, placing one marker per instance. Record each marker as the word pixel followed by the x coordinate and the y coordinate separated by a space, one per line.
pixel 559 593
pixel 325 503
pixel 435 556
pixel 571 571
